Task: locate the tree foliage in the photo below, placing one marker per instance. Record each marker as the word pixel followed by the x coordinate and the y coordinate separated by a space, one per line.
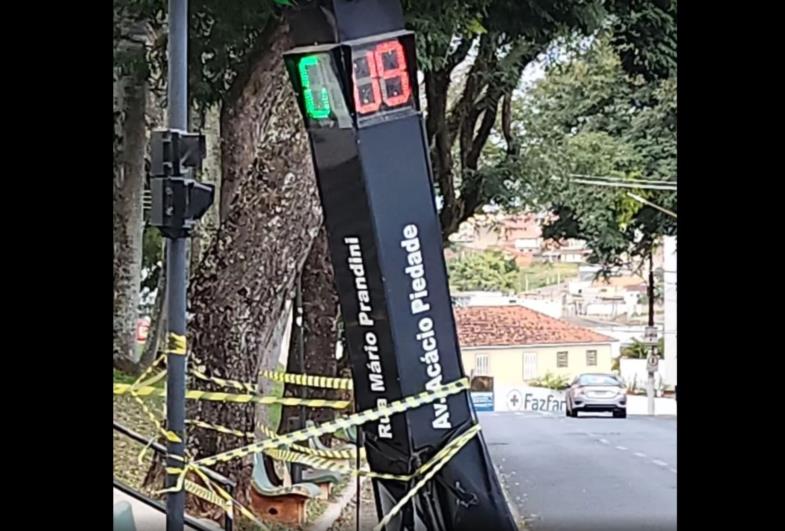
pixel 588 118
pixel 486 271
pixel 492 40
pixel 500 38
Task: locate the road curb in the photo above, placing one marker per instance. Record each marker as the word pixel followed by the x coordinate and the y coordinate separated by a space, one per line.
pixel 519 520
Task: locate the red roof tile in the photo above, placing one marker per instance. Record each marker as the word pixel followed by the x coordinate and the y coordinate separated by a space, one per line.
pixel 496 326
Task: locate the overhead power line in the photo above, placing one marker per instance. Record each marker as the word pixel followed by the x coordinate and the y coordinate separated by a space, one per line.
pixel 668 182
pixel 625 184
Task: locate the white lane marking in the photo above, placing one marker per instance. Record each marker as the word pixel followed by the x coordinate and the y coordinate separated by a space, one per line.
pixel 604 441
pixel 622 448
pixel 659 463
pixel 672 470
pixel 640 454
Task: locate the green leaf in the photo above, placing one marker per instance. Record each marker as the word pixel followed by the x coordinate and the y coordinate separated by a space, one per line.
pixel 475 27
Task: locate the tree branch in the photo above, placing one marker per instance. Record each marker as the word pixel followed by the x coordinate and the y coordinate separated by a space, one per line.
pixel 472 157
pixel 483 64
pixel 513 147
pixel 458 55
pixel 436 86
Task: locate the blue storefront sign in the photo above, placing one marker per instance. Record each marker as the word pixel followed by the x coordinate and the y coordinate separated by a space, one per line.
pixel 483 401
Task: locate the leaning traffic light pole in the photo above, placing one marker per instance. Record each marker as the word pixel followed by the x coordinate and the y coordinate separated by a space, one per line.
pixel 354 73
pixel 178 201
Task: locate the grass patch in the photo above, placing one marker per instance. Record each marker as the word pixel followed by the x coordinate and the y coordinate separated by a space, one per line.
pixel 126 451
pixel 121 377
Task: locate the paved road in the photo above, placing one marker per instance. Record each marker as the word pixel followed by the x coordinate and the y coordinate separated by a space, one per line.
pixel 589 473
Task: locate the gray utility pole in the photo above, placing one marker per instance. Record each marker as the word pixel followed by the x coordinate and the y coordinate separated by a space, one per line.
pixel 178 201
pixel 176 271
pixel 651 339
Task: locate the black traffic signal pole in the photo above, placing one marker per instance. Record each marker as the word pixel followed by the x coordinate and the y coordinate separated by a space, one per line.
pixel 355 78
pixel 178 201
pixel 176 269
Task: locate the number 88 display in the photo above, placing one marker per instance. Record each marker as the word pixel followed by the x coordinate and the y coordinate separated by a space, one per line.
pixel 381 76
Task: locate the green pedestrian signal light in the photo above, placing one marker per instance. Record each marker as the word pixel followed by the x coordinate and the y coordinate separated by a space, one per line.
pixel 315 94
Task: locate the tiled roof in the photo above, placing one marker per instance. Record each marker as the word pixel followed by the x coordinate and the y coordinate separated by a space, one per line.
pixel 496 326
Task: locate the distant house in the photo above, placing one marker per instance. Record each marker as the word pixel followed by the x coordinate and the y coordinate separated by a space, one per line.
pixel 524 232
pixel 570 251
pixel 519 236
pixel 514 344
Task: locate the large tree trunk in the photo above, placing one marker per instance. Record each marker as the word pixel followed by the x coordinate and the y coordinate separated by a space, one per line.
pixel 320 331
pixel 208 123
pixel 246 276
pixel 127 226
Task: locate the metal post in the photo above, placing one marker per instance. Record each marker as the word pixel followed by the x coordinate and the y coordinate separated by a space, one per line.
pixel 176 270
pixel 297 469
pixel 650 379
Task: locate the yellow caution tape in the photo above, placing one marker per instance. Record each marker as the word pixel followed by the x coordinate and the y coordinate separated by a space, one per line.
pixel 140 382
pixel 208 495
pixel 308 380
pixel 328 464
pixel 219 428
pixel 321 463
pixel 305 380
pixel 133 390
pixel 168 435
pixel 298 453
pixel 328 453
pixel 176 344
pixel 357 419
pixel 439 460
pixel 231 501
pixel 120 389
pixel 154 380
pixel 233 384
pixel 342 454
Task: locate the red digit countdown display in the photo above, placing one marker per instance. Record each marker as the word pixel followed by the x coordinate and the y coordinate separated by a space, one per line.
pixel 381 78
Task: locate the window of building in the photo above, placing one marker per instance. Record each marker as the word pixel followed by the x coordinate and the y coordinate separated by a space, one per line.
pixel 529 366
pixel 561 359
pixel 591 358
pixel 481 365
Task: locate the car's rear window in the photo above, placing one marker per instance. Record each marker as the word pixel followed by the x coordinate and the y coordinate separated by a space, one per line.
pixel 597 379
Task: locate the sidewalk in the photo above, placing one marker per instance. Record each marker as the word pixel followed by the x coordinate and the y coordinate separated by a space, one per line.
pixel 638 405
pixel 348 519
pixel 147 518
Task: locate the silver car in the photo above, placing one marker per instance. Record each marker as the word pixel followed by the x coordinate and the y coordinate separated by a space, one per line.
pixel 597 392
